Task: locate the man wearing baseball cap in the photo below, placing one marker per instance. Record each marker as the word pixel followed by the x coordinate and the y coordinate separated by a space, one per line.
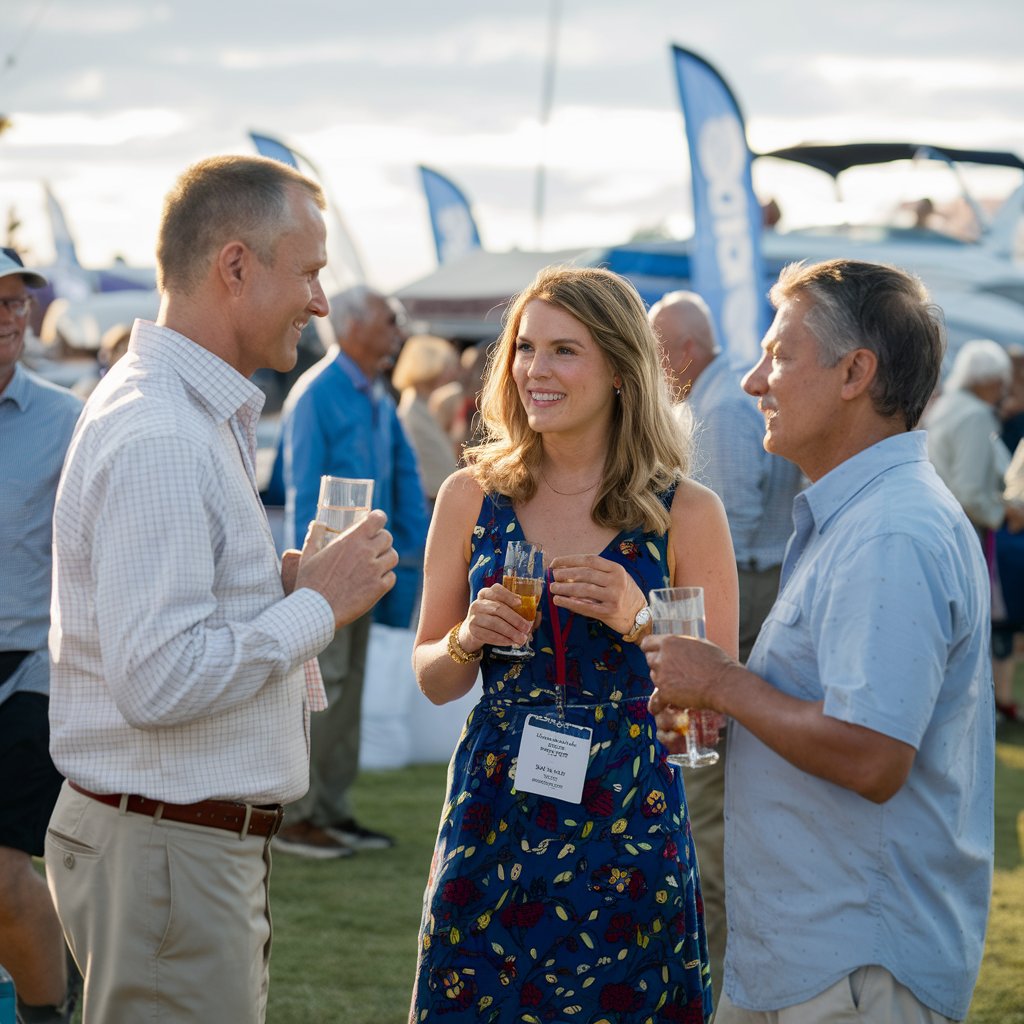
pixel 36 422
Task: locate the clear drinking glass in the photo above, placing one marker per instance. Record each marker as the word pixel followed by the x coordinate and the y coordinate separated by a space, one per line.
pixel 679 611
pixel 524 576
pixel 343 503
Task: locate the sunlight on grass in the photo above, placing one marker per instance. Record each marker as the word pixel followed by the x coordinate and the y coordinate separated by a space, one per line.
pixel 1011 757
pixel 345 931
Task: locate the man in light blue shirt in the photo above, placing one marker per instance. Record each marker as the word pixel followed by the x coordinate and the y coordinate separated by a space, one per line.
pixel 757 489
pixel 859 791
pixel 36 422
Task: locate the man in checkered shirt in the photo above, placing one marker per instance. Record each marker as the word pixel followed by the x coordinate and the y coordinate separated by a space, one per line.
pixel 183 652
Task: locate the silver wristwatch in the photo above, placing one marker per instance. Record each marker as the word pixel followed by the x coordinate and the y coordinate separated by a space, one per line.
pixel 640 623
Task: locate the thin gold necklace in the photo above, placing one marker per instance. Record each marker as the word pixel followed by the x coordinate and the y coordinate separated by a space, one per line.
pixel 567 494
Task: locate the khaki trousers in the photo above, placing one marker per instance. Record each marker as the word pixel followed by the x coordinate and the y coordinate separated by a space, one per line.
pixel 167 922
pixel 869 994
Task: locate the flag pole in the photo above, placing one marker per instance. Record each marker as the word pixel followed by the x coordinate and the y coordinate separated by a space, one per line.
pixel 546 97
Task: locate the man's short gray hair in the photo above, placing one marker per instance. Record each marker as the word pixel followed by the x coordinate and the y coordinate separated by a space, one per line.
pixel 881 308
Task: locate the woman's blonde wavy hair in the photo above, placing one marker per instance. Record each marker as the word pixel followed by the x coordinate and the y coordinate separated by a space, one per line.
pixel 648 450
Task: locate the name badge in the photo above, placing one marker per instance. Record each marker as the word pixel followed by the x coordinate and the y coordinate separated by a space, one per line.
pixel 553 758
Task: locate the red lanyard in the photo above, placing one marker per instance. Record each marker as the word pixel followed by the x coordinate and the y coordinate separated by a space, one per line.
pixel 561 638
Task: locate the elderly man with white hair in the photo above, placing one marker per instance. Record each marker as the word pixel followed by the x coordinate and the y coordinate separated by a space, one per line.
pixel 965 447
pixel 340 420
pixel 757 489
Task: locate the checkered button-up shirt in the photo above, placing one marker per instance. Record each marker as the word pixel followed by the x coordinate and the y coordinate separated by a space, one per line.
pixel 178 665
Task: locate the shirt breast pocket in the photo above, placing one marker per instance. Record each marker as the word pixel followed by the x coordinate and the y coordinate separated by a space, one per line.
pixel 18 498
pixel 785 613
pixel 785 652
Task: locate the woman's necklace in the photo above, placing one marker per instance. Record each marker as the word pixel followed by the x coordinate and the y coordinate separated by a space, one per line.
pixel 567 494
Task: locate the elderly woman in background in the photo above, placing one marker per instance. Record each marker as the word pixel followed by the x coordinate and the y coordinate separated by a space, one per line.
pixel 425 364
pixel 573 901
pixel 967 452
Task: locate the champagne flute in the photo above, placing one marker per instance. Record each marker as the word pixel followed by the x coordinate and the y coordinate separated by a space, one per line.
pixel 679 611
pixel 343 503
pixel 523 575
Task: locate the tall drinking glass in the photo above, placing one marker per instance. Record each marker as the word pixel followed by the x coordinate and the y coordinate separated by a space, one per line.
pixel 343 503
pixel 679 611
pixel 524 576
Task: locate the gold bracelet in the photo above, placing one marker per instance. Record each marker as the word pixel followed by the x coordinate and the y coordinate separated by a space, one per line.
pixel 456 651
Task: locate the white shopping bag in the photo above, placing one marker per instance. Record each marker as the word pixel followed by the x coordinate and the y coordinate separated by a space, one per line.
pixel 388 689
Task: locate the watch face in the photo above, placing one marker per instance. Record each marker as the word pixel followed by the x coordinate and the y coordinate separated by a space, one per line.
pixel 643 617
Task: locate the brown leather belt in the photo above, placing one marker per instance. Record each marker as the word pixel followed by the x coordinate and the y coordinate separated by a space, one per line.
pixel 243 819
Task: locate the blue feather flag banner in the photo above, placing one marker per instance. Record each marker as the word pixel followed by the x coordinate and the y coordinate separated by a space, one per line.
pixel 345 266
pixel 68 277
pixel 63 243
pixel 266 146
pixel 451 219
pixel 726 264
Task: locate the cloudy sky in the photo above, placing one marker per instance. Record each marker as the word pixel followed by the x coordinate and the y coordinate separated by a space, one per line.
pixel 109 99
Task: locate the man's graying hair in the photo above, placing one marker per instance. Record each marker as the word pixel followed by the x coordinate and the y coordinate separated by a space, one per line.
pixel 220 200
pixel 880 308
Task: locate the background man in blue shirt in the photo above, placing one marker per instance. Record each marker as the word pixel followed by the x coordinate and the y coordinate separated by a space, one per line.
pixel 859 787
pixel 36 422
pixel 757 490
pixel 341 420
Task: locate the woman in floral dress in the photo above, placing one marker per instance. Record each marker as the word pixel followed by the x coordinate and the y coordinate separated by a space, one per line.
pixel 575 900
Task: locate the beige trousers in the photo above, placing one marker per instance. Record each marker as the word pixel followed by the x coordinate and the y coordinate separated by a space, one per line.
pixel 869 994
pixel 167 922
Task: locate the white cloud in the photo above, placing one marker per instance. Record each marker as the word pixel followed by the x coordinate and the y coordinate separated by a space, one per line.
pixel 921 74
pixel 988 130
pixel 61 130
pixel 89 85
pixel 101 19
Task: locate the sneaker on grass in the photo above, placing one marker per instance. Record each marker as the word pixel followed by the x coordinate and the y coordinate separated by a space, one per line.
pixel 305 839
pixel 352 834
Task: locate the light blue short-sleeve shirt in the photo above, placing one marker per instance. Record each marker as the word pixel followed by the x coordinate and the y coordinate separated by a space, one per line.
pixel 883 614
pixel 37 419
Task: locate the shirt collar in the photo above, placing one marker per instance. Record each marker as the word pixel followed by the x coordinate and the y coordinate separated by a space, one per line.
pixel 18 390
pixel 706 378
pixel 218 385
pixel 839 486
pixel 359 379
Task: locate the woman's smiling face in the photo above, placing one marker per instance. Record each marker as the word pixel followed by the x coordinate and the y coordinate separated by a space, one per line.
pixel 564 379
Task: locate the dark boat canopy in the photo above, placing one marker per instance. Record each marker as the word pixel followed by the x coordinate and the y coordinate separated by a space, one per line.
pixel 834 159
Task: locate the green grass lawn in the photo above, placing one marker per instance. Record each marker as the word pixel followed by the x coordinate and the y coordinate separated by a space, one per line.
pixel 345 931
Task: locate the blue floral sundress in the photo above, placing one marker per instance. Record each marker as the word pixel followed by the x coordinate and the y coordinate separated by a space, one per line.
pixel 538 910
